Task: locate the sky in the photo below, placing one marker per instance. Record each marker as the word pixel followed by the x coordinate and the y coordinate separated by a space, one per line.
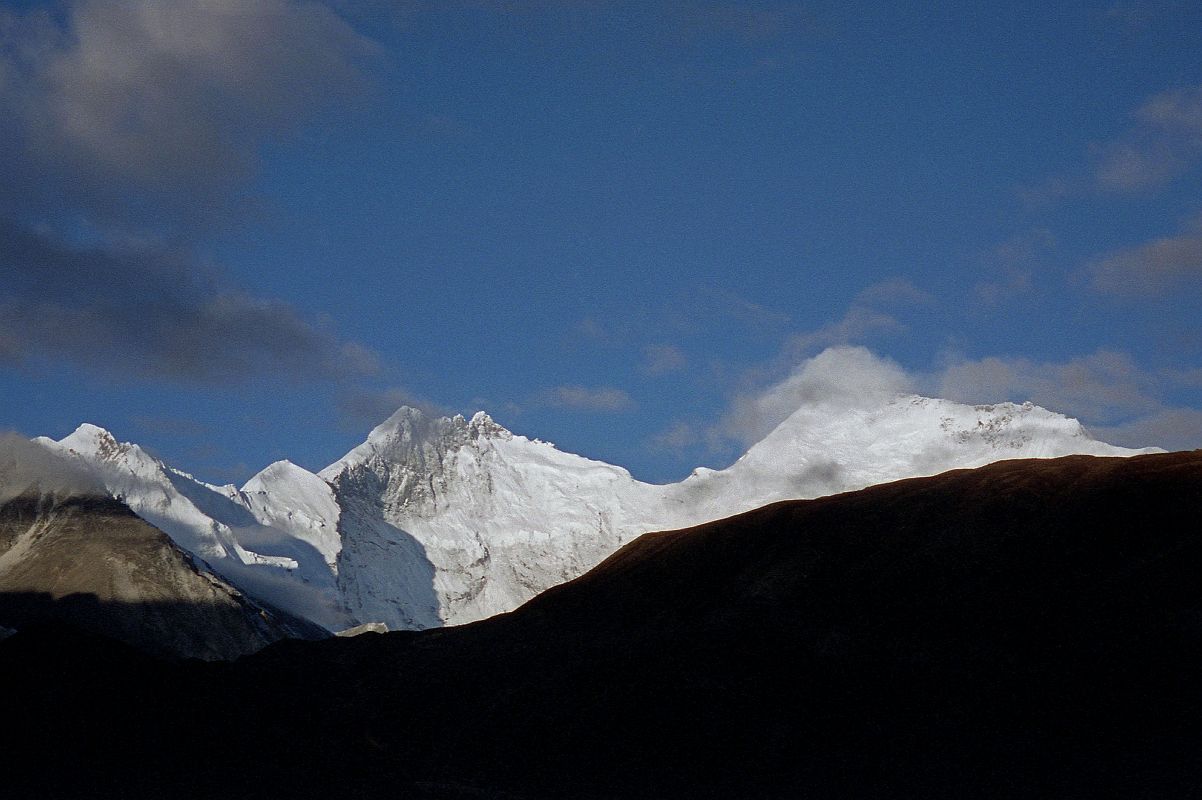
pixel 235 232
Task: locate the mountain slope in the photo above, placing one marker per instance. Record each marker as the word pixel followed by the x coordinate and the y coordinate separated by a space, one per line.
pixel 1026 629
pixel 498 517
pixel 273 558
pixel 823 448
pixel 501 517
pixel 90 561
pixel 436 521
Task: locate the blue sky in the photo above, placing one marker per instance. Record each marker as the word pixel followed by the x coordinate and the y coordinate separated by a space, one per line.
pixel 236 232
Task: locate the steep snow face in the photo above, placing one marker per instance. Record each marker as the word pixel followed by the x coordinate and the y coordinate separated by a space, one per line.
pixel 289 498
pixel 496 517
pixel 500 518
pixel 272 563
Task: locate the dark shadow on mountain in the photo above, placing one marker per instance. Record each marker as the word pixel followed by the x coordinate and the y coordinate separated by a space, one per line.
pixel 212 504
pixel 90 561
pixel 166 629
pixel 1027 629
pixel 252 534
pixel 379 557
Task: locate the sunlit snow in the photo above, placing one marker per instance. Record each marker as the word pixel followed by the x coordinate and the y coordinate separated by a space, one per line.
pixel 437 520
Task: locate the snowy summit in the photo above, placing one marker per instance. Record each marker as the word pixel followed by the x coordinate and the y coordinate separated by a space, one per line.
pixel 445 520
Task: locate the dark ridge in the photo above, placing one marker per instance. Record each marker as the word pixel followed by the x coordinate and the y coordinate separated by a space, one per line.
pixel 1027 629
pixel 166 629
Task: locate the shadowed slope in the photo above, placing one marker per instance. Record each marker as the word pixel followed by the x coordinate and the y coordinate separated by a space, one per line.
pixel 1030 628
pixel 90 561
pixel 1031 625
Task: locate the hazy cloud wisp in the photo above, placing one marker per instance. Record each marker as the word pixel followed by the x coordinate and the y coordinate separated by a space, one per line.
pixel 367 407
pixel 584 398
pixel 660 359
pixel 28 466
pixel 1151 267
pixel 873 312
pixel 1164 143
pixel 1102 386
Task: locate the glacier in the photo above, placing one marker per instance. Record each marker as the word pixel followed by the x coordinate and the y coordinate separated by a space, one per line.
pixel 437 520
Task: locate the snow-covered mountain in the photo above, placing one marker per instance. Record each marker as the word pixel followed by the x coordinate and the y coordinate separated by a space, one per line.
pixel 268 553
pixel 445 520
pixel 494 518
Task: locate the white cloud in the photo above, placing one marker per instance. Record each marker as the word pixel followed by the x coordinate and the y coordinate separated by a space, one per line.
pixel 1108 391
pixel 1162 143
pixel 127 127
pixel 361 406
pixel 1011 266
pixel 678 436
pixel 153 312
pixel 838 377
pixel 859 323
pixel 1103 386
pixel 28 466
pixel 1119 401
pixel 731 304
pixel 589 328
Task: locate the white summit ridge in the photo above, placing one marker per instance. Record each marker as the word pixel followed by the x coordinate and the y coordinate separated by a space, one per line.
pixel 260 548
pixel 444 520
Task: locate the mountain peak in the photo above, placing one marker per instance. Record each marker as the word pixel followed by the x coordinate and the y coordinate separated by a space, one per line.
pixel 397 438
pixel 482 425
pixel 410 429
pixel 92 440
pixel 404 413
pixel 406 423
pixel 272 474
pixel 88 429
pixel 927 434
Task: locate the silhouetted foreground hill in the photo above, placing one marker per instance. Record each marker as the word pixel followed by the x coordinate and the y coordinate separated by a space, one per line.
pixel 1027 629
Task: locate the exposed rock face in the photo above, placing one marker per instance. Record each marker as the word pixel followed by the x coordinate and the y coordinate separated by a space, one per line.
pixel 91 562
